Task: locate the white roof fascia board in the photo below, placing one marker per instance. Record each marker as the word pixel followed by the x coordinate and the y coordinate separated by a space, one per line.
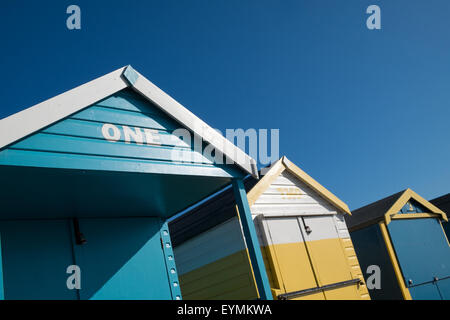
pixel 39 116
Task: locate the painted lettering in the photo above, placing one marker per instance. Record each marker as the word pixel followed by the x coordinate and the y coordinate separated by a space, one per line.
pixel 136 135
pixel 106 131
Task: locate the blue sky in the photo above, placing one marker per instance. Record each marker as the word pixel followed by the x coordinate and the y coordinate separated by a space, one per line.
pixel 366 113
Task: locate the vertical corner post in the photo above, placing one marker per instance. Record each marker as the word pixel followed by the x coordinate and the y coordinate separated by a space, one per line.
pixel 251 239
pixel 170 262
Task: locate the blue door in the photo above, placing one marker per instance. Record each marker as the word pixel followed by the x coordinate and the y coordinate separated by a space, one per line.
pixel 444 288
pixel 424 256
pixel 122 259
pixel 426 291
pixel 35 255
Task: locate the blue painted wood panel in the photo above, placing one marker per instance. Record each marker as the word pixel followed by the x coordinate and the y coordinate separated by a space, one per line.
pixel 122 259
pixel 427 291
pixel 85 146
pixel 444 288
pixel 78 142
pixel 129 100
pixel 62 193
pixel 121 117
pixel 371 249
pixel 36 254
pixel 421 248
pixel 2 296
pixel 12 157
pixel 93 130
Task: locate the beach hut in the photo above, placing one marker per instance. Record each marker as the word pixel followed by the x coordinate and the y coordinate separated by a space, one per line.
pixel 307 250
pixel 443 203
pixel 89 179
pixel 400 240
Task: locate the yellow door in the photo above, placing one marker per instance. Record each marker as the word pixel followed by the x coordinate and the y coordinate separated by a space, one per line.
pixel 328 257
pixel 290 257
pixel 307 254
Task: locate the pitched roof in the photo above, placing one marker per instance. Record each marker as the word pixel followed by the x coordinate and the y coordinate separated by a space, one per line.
pixel 443 203
pixel 222 206
pixel 373 212
pixel 285 164
pixel 386 207
pixel 35 118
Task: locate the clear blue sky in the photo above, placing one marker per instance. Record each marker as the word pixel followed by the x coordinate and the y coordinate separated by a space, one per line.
pixel 366 113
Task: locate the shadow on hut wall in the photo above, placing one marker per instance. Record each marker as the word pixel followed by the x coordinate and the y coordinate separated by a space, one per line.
pixel 114 265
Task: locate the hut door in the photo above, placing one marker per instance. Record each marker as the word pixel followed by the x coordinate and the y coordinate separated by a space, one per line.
pixel 424 256
pixel 328 257
pixel 309 258
pixel 290 256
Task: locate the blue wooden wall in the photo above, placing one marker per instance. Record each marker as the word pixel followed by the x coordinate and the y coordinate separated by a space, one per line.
pixel 122 259
pixel 73 169
pixel 424 256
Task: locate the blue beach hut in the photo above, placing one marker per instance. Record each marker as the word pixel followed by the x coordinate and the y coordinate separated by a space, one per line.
pixel 89 179
pixel 443 203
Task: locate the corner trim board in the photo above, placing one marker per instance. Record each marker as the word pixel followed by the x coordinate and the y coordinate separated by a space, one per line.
pixel 251 239
pixel 172 273
pixel 395 264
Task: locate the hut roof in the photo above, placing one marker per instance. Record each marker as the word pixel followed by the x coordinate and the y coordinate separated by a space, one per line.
pixel 386 207
pixel 29 121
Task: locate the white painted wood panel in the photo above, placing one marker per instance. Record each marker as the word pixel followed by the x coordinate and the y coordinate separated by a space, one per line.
pixel 289 209
pixel 288 195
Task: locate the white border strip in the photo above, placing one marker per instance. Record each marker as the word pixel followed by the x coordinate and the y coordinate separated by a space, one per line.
pixel 28 121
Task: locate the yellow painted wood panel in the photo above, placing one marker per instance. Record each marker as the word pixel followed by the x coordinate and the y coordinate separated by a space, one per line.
pixel 329 260
pixel 295 268
pixel 329 264
pixel 227 278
